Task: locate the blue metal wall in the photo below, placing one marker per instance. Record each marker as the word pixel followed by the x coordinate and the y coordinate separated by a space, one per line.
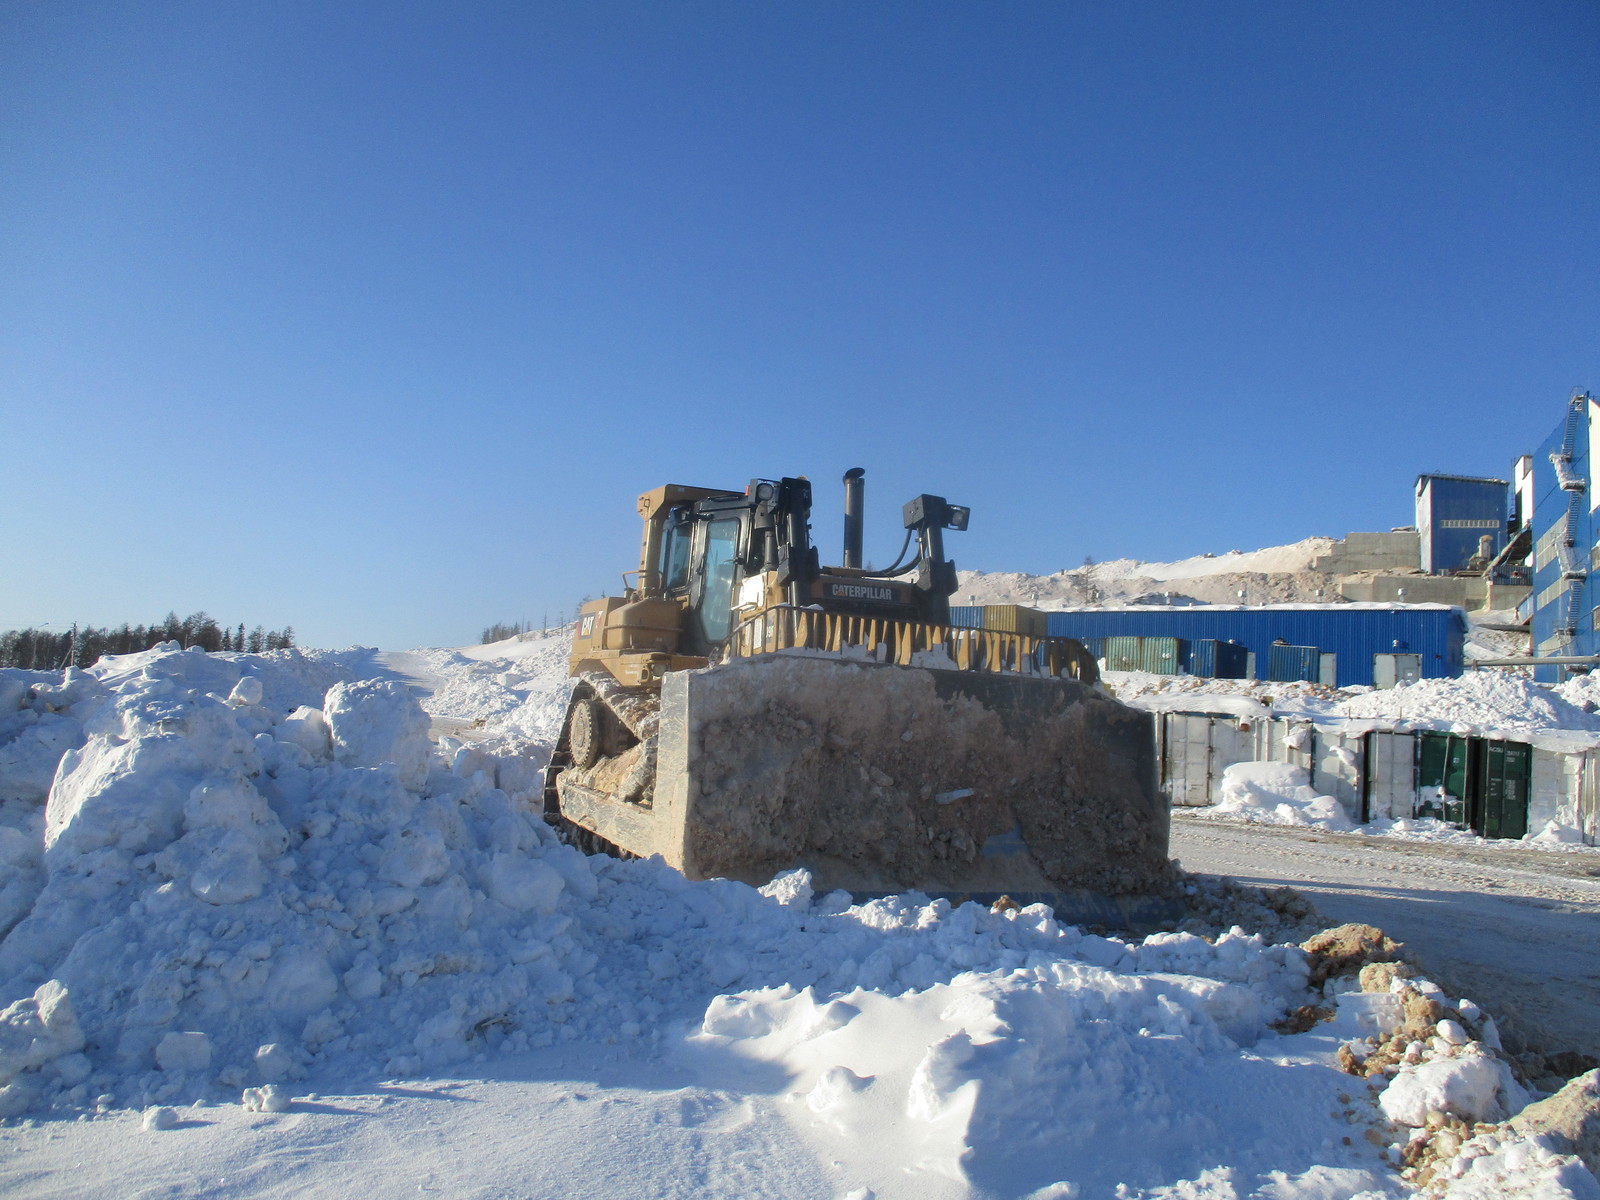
pixel 1459 512
pixel 1559 514
pixel 1354 632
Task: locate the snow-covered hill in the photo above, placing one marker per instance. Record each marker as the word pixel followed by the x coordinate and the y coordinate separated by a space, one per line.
pixel 1277 574
pixel 265 937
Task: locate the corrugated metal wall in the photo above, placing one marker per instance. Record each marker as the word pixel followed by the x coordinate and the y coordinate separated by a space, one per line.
pixel 1355 634
pixel 1453 513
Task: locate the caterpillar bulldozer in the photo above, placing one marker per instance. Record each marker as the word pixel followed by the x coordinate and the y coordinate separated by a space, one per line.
pixel 741 710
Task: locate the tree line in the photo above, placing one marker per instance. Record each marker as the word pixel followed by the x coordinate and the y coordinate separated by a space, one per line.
pixel 82 646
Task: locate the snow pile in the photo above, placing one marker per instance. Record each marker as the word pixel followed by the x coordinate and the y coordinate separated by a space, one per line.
pixel 1251 699
pixel 1580 691
pixel 516 691
pixel 233 900
pixel 1275 793
pixel 1478 701
pixel 1003 1078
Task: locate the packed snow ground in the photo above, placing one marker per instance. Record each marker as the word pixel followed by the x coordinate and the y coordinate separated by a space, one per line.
pixel 260 934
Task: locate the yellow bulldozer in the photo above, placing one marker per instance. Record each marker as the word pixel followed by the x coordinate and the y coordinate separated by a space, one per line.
pixel 741 710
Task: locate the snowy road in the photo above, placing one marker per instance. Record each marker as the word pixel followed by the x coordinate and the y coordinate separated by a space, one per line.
pixel 1513 929
pixel 418 674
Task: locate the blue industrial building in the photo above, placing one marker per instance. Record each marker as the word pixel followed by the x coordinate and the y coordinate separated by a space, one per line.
pixel 1354 633
pixel 1564 528
pixel 1454 514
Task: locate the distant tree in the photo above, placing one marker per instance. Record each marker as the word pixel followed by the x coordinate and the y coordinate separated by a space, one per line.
pixel 84 645
pixel 502 630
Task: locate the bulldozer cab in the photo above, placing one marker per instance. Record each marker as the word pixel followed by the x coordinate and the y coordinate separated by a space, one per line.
pixel 709 550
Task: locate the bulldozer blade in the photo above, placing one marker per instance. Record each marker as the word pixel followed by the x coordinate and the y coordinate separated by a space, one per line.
pixel 880 778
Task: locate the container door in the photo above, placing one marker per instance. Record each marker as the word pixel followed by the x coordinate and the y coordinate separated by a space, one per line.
pixel 1231 743
pixel 1443 777
pixel 1159 655
pixel 1329 669
pixel 1407 668
pixel 1235 662
pixel 1383 671
pixel 1336 769
pixel 1187 761
pixel 1122 654
pixel 1589 799
pixel 1391 775
pixel 1504 789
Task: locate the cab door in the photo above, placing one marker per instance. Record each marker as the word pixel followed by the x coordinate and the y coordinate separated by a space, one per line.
pixel 713 580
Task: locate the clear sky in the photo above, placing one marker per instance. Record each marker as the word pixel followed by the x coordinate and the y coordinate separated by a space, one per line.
pixel 373 318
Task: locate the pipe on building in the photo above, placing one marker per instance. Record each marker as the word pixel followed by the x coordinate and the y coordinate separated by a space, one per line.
pixel 1558 660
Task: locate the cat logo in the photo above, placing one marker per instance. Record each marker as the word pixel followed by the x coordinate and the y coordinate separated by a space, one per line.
pixel 586 626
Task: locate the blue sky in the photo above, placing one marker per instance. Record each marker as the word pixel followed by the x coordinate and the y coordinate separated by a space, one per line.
pixel 373 318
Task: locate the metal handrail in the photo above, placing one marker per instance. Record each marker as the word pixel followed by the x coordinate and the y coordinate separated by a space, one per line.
pixel 907 643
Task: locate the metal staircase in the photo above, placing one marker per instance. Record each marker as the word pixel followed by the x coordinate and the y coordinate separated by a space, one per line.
pixel 1574 564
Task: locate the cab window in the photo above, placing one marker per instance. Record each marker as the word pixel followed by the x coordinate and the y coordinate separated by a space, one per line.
pixel 721 563
pixel 674 564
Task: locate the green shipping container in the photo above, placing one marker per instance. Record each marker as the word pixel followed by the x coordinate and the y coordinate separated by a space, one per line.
pixel 1485 783
pixel 1124 654
pixel 1502 808
pixel 1161 655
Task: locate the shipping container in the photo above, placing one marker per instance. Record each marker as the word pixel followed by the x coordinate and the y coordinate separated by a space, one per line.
pixel 1094 645
pixel 966 616
pixel 1124 654
pixel 1163 655
pixel 1293 664
pixel 1482 784
pixel 1500 805
pixel 1353 632
pixel 1014 618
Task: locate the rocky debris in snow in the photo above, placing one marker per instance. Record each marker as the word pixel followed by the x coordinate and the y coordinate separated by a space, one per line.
pixel 1217 903
pixel 1346 949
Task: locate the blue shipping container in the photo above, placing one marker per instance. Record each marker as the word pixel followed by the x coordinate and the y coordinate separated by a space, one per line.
pixel 1353 632
pixel 1290 664
pixel 966 616
pixel 1217 660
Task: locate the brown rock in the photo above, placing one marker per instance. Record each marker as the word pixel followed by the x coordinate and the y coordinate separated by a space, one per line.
pixel 1378 976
